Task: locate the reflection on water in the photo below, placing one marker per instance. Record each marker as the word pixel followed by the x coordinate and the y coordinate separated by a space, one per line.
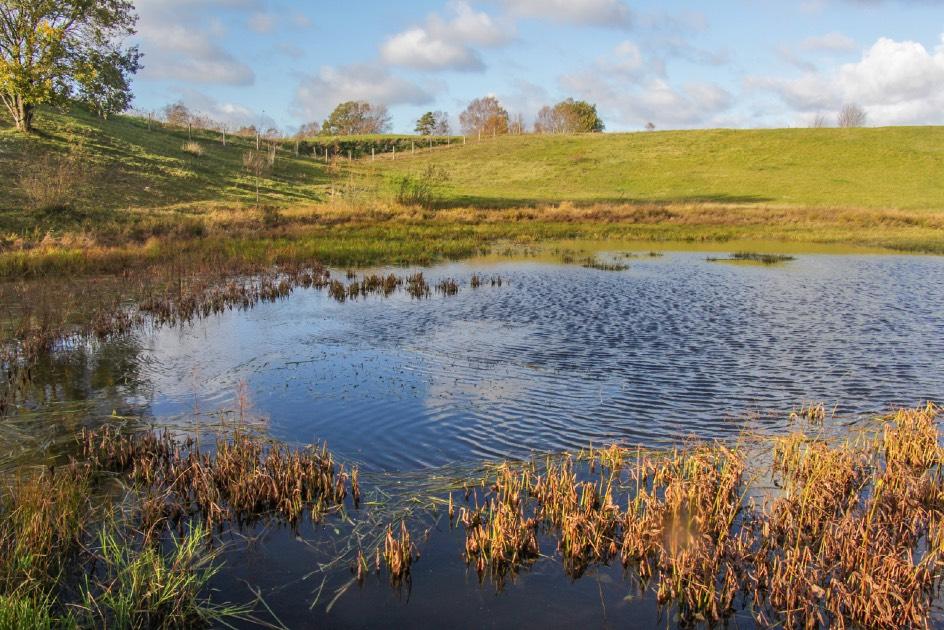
pixel 562 356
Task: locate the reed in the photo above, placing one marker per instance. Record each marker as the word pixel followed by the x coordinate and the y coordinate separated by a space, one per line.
pixel 399 553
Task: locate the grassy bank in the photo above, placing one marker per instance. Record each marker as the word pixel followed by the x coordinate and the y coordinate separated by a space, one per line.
pixel 139 197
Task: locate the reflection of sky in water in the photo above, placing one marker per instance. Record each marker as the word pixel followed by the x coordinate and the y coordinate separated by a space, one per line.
pixel 563 356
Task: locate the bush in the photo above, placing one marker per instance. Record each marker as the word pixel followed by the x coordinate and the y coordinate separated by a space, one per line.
pixel 193 148
pixel 52 182
pixel 422 189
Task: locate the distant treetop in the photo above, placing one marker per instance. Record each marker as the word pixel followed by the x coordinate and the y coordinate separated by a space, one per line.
pixel 569 116
pixel 356 118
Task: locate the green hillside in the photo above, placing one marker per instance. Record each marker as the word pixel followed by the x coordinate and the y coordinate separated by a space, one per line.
pixel 884 168
pixel 126 165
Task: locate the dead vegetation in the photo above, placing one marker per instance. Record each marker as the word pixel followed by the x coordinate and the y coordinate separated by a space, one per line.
pixel 854 538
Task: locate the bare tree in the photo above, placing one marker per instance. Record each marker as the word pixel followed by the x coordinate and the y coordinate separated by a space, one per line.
pixel 484 116
pixel 819 122
pixel 257 163
pixel 851 115
pixel 177 114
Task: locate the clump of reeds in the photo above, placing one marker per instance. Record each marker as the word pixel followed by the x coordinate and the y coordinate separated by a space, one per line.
pixel 399 554
pixel 499 537
pixel 447 286
pixel 243 480
pixel 417 286
pixel 763 259
pixel 812 413
pixel 593 262
pixel 135 586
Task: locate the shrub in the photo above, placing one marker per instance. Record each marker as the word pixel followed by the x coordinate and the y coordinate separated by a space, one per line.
pixel 422 189
pixel 193 148
pixel 52 182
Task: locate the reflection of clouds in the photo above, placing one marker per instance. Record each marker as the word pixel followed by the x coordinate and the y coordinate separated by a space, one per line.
pixel 466 367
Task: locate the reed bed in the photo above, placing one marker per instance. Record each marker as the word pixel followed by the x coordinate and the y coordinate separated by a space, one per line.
pixel 243 480
pixel 853 538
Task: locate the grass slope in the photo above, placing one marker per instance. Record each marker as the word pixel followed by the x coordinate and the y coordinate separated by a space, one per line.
pixel 882 168
pixel 132 167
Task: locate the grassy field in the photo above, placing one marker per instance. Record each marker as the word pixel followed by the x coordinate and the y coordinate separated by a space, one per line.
pixel 141 197
pixel 888 168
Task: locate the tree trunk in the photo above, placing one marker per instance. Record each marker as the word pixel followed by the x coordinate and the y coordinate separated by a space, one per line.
pixel 23 115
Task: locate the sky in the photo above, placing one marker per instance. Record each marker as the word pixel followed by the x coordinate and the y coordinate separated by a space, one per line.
pixel 678 65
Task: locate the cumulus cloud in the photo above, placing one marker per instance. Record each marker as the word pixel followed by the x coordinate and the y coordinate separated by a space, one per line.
pixel 897 82
pixel 317 95
pixel 632 90
pixel 607 13
pixel 178 47
pixel 447 44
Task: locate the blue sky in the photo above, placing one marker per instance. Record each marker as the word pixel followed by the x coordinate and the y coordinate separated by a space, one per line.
pixel 729 63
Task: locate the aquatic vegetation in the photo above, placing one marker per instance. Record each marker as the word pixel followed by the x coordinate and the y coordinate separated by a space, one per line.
pixel 854 538
pixel 399 553
pixel 136 586
pixel 593 262
pixel 763 259
pixel 243 480
pixel 417 286
pixel 447 286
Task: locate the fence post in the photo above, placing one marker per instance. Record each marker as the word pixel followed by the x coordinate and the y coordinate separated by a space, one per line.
pixel 373 155
pixel 463 140
pixel 223 129
pixel 413 147
pixel 394 152
pixel 189 131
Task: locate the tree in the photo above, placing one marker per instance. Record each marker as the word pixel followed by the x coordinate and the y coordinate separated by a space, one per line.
pixel 650 126
pixel 308 130
pixel 569 116
pixel 819 122
pixel 355 118
pixel 484 116
pixel 177 114
pixel 433 124
pixel 55 50
pixel 851 115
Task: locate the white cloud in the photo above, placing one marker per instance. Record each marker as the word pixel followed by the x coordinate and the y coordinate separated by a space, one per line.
pixel 895 82
pixel 180 46
pixel 417 48
pixel 607 13
pixel 633 91
pixel 317 95
pixel 179 53
pixel 447 44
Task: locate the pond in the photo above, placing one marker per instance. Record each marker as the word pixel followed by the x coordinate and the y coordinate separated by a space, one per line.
pixel 421 392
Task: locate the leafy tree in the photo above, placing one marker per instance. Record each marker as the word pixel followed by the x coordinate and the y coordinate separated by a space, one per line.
pixel 569 116
pixel 485 116
pixel 433 124
pixel 356 118
pixel 55 50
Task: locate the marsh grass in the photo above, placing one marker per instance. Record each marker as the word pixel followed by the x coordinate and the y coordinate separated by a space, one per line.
pixel 853 538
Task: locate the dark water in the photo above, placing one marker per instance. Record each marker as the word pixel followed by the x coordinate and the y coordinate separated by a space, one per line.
pixel 554 359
